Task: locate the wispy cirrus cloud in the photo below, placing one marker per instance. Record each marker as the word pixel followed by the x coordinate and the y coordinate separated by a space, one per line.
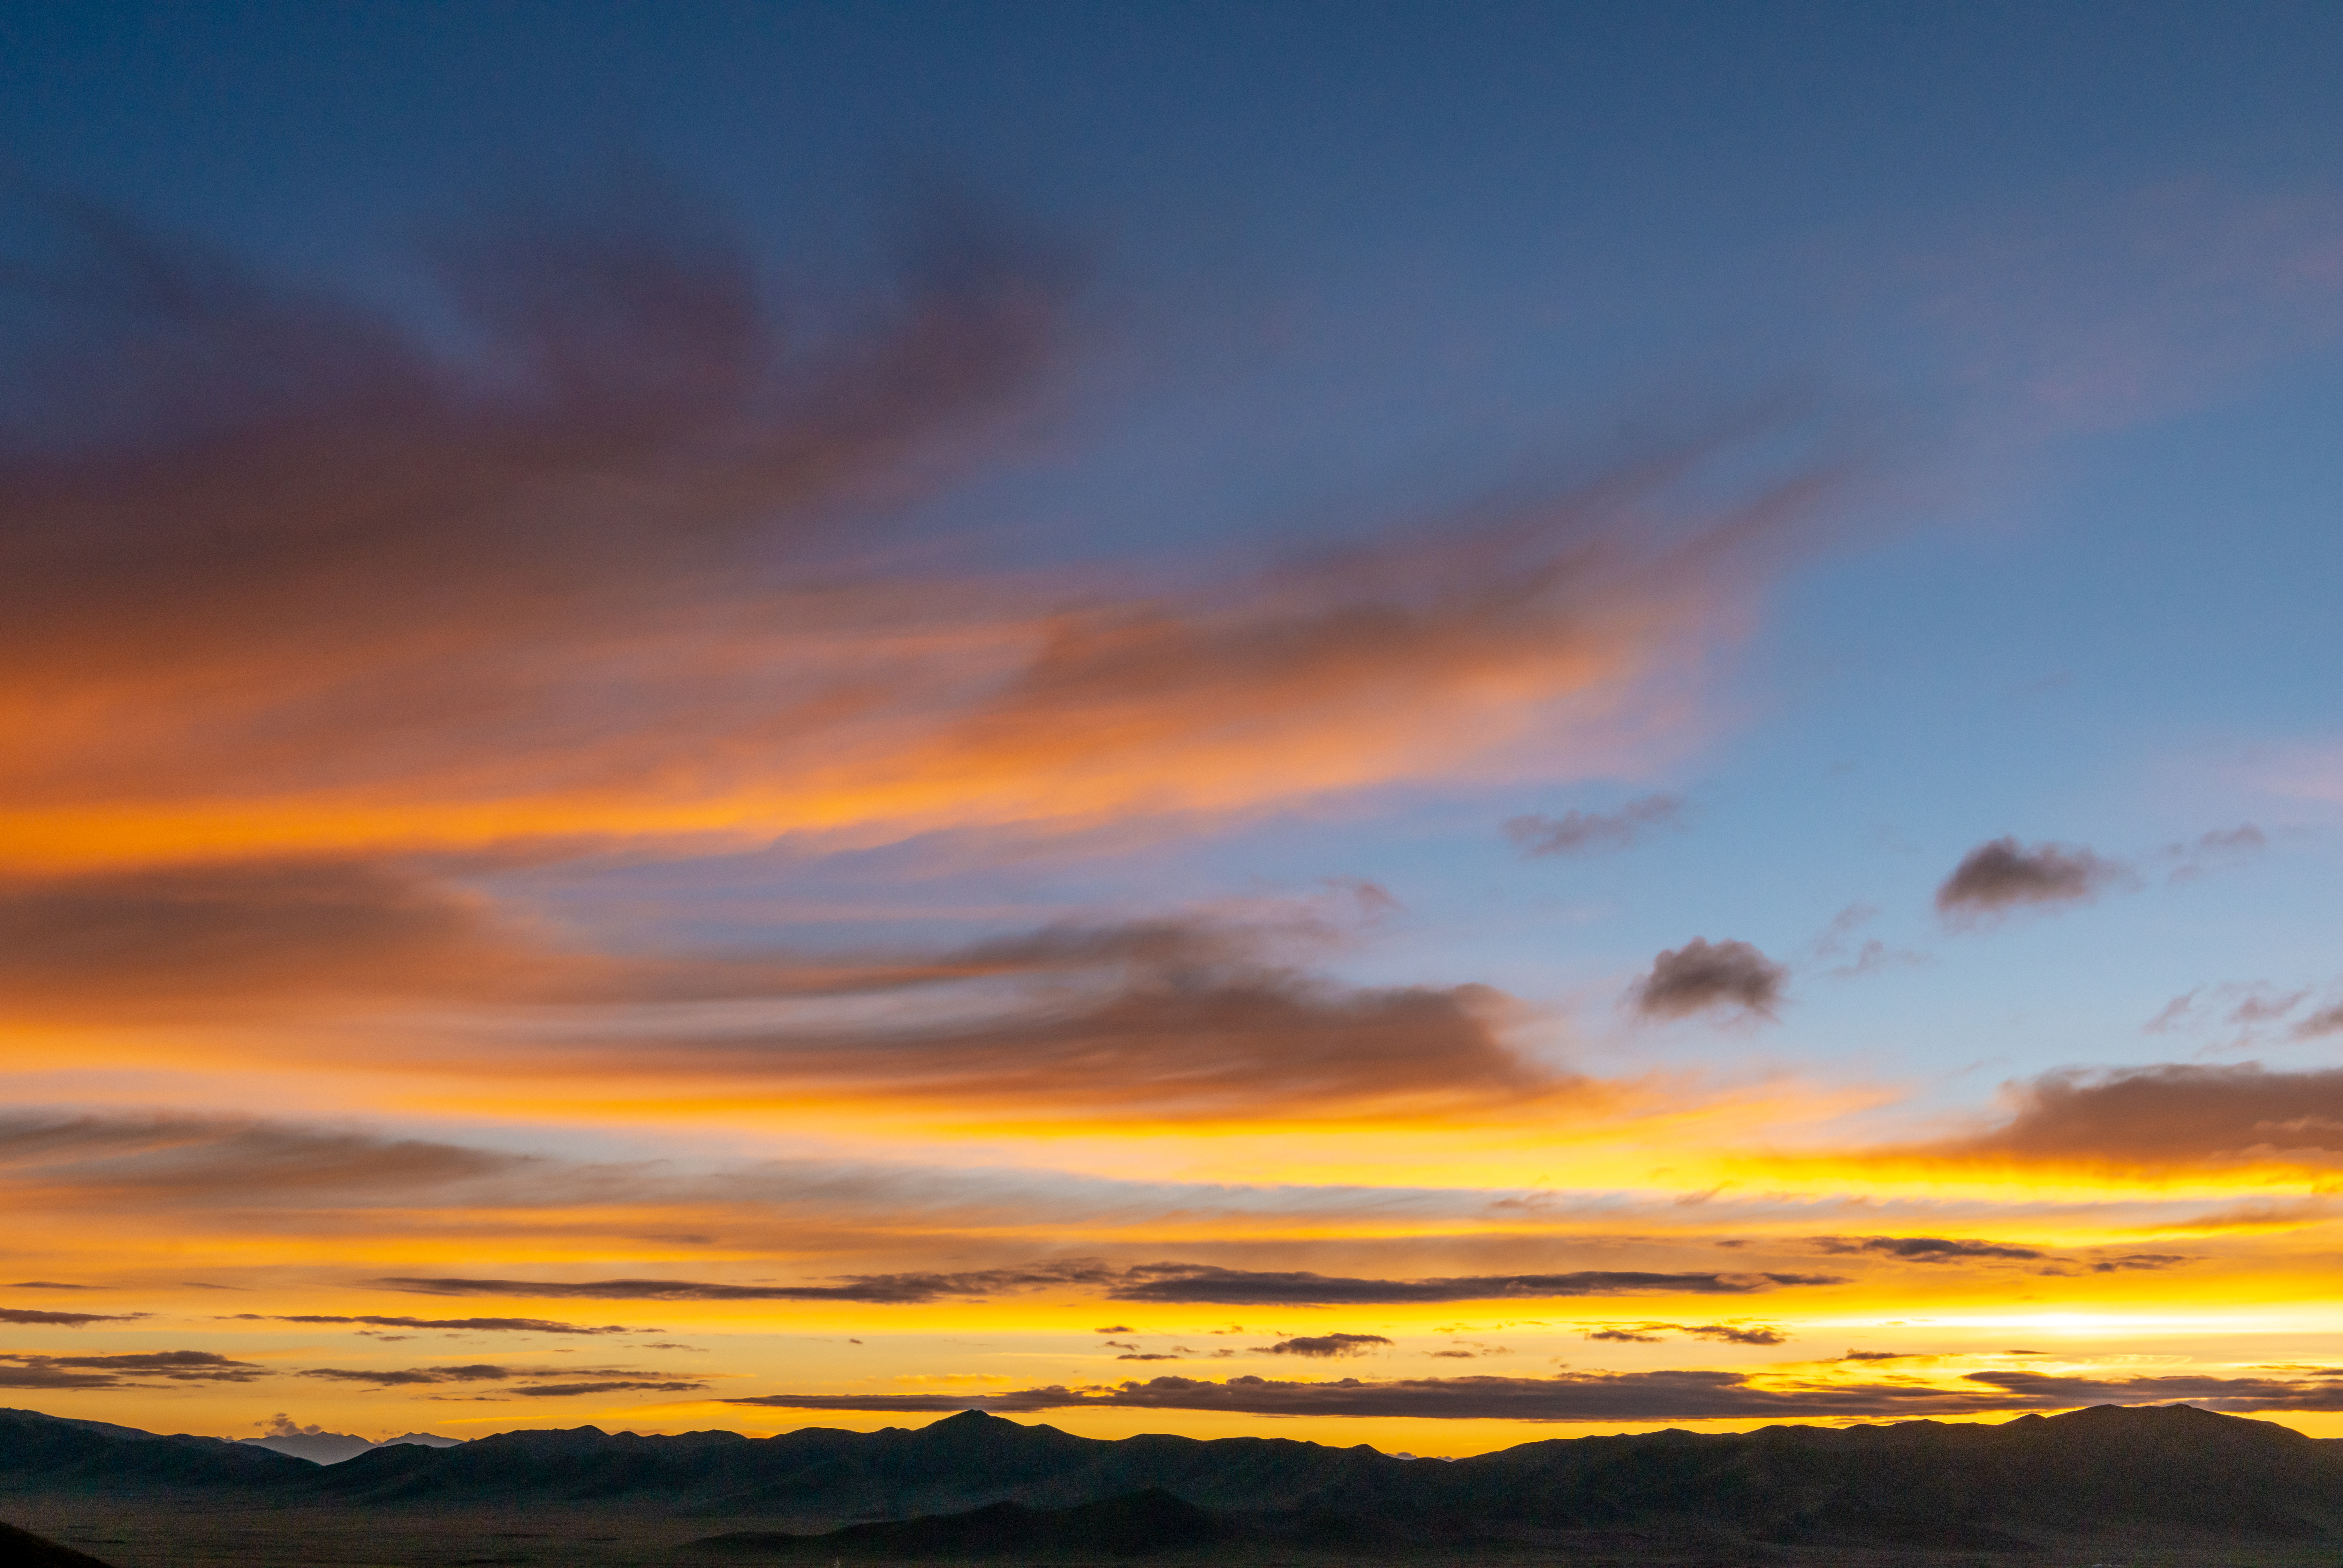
pixel 1581 833
pixel 282 576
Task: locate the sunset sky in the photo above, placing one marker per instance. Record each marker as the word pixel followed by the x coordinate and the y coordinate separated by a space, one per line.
pixel 1420 725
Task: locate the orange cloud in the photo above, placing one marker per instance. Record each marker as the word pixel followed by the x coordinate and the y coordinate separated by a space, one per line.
pixel 288 579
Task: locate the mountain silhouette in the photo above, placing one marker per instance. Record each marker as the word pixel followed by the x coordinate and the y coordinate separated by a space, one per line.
pixel 976 1484
pixel 22 1549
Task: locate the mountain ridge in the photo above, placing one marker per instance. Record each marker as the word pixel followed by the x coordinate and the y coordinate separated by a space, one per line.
pixel 2168 1471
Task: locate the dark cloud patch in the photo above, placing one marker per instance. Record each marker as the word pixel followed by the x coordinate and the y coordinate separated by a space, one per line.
pixel 1183 1284
pixel 269 932
pixel 572 1390
pixel 388 1377
pixel 878 1290
pixel 2149 1261
pixel 1581 833
pixel 1735 1334
pixel 1675 1395
pixel 140 1368
pixel 47 1285
pixel 1925 1249
pixel 1181 1039
pixel 475 1325
pixel 1328 1347
pixel 1654 1334
pixel 1703 975
pixel 529 1381
pixel 170 1161
pixel 2173 1115
pixel 33 1315
pixel 2002 875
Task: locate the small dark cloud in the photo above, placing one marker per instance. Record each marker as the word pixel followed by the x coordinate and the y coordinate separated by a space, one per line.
pixel 2140 1260
pixel 1146 1356
pixel 1328 1347
pixel 47 1285
pixel 1729 1333
pixel 1115 1329
pixel 1653 1333
pixel 1875 1356
pixel 1581 833
pixel 1703 975
pixel 33 1315
pixel 1924 1249
pixel 2003 875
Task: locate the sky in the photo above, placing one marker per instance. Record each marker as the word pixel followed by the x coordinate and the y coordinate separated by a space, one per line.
pixel 1400 724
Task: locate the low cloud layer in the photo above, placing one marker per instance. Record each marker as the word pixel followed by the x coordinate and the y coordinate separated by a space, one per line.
pixel 2004 875
pixel 1159 1284
pixel 1620 1396
pixel 1728 977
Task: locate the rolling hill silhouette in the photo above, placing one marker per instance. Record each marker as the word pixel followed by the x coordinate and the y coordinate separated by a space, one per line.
pixel 976 1484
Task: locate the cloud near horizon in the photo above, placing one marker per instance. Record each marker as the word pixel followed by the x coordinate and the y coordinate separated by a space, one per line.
pixel 1163 1284
pixel 1685 1395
